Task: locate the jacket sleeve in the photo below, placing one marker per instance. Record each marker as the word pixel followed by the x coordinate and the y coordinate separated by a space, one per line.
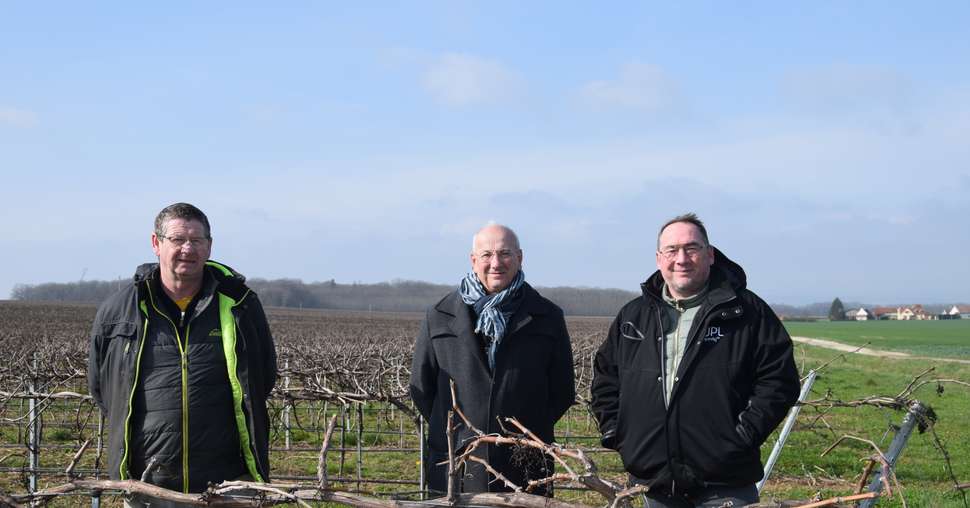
pixel 424 372
pixel 605 389
pixel 562 380
pixel 267 346
pixel 776 384
pixel 95 359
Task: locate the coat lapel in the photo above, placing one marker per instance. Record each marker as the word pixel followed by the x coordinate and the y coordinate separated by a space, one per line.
pixel 528 311
pixel 461 324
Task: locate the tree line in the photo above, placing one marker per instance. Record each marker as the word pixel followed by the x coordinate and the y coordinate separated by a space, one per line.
pixel 394 296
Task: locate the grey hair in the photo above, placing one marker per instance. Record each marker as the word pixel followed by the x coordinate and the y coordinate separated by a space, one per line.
pixel 182 211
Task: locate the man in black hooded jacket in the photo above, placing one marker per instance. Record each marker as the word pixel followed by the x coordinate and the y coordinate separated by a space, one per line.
pixel 181 363
pixel 693 377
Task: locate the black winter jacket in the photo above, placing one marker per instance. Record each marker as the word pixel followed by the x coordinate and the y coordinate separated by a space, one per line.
pixel 532 381
pixel 125 382
pixel 735 384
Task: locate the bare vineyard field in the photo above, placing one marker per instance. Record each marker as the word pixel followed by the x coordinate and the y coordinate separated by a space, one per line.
pixel 356 365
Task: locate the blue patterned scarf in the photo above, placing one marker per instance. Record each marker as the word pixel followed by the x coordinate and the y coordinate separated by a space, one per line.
pixel 493 310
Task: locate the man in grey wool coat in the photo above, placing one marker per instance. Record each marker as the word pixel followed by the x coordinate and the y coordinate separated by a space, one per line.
pixel 508 351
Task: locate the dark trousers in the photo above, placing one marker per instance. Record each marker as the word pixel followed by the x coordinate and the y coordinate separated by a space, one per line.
pixel 711 497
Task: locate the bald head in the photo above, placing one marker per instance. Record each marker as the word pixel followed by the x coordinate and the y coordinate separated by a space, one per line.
pixel 492 229
pixel 496 257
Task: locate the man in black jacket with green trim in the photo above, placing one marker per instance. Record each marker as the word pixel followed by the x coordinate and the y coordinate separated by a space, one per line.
pixel 693 377
pixel 181 363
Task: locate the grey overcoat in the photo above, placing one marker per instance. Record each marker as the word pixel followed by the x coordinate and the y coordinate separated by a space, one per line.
pixel 533 382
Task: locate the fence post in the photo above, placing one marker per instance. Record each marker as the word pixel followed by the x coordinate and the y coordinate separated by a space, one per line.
pixel 916 413
pixel 344 420
pixel 286 402
pixel 786 429
pixel 360 439
pixel 96 495
pixel 33 429
pixel 421 478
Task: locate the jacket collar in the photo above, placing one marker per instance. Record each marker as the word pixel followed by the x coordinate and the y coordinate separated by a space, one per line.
pixel 218 276
pixel 150 277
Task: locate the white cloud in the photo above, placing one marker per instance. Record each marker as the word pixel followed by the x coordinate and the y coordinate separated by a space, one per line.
pixel 18 117
pixel 462 79
pixel 641 86
pixel 754 159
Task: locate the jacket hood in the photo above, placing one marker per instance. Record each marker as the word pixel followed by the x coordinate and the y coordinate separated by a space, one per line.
pixel 221 272
pixel 724 273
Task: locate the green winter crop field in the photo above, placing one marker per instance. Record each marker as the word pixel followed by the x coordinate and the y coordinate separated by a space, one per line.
pixel 922 338
pixel 802 472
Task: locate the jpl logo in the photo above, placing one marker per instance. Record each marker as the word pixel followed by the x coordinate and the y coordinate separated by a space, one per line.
pixel 713 334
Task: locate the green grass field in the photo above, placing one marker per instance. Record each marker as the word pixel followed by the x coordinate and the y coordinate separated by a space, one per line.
pixel 922 338
pixel 802 472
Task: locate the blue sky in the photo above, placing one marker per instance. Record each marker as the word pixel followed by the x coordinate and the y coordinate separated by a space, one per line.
pixel 824 143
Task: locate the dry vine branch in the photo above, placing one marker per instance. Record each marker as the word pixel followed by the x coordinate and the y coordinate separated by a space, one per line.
pixel 840 499
pixel 613 493
pixel 77 456
pixel 273 494
pixel 938 443
pixel 888 472
pixel 227 487
pixel 322 461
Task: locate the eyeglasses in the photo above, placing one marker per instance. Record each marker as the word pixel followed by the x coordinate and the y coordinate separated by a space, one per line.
pixel 691 249
pixel 503 254
pixel 178 241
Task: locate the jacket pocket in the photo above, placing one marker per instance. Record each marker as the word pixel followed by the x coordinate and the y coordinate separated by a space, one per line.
pixel 441 332
pixel 117 346
pixel 118 337
pixel 639 400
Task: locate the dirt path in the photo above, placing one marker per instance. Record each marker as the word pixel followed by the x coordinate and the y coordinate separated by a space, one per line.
pixel 838 346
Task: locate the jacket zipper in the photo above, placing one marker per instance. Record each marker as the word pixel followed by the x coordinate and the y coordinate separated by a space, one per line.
pixel 663 362
pixel 184 363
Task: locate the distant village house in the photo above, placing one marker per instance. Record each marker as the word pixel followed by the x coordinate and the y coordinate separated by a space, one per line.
pixel 860 314
pixel 959 312
pixel 904 313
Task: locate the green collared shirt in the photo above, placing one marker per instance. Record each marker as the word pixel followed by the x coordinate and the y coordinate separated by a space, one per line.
pixel 678 316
